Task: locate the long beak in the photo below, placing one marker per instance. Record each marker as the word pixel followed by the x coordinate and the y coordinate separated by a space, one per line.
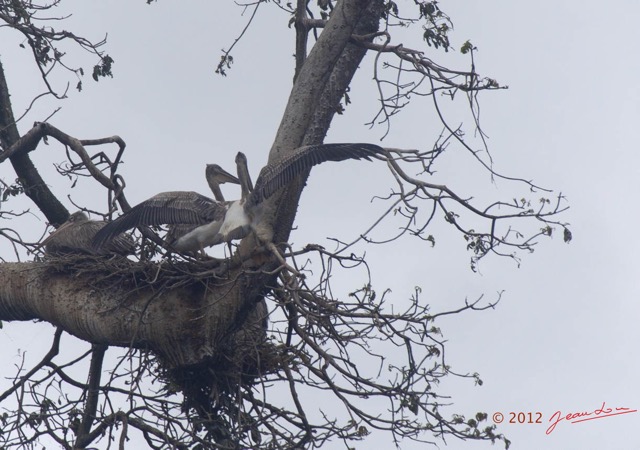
pixel 243 174
pixel 221 175
pixel 226 177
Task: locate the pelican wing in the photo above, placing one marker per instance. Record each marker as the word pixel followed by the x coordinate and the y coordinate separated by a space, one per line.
pixel 122 245
pixel 274 177
pixel 165 208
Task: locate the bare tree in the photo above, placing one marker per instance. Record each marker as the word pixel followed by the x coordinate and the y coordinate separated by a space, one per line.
pixel 223 353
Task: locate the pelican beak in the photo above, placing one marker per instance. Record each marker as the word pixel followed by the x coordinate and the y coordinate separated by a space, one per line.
pixel 228 178
pixel 220 174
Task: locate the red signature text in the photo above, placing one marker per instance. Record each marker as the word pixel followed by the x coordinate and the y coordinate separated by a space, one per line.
pixel 583 416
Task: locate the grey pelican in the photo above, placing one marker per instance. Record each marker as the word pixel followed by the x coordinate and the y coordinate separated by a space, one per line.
pixel 222 221
pixel 215 176
pixel 76 234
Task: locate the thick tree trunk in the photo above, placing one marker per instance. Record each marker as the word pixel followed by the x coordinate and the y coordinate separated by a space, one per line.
pixel 310 84
pixel 183 325
pixel 34 186
pixel 309 113
pixel 186 325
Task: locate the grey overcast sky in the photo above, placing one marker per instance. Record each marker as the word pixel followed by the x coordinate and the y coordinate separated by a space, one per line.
pixel 564 336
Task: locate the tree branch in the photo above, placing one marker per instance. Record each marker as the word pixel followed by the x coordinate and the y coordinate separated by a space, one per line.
pixel 93 392
pixel 34 186
pixel 53 351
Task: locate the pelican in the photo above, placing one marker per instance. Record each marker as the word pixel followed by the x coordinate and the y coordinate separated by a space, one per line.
pixel 215 176
pixel 76 234
pixel 223 221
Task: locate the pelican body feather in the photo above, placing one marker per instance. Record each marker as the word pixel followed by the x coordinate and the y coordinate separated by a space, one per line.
pixel 75 236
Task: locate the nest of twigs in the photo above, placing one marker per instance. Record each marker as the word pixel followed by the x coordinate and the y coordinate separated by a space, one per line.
pixel 211 388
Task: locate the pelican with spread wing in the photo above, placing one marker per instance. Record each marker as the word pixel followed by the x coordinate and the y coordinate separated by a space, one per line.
pixel 215 176
pixel 218 221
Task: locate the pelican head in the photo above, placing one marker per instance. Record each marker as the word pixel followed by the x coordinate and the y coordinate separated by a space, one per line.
pixel 218 174
pixel 74 219
pixel 77 217
pixel 243 174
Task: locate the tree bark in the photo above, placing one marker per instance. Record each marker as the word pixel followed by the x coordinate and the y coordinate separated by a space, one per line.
pixel 313 77
pixel 183 325
pixel 186 325
pixel 309 113
pixel 34 186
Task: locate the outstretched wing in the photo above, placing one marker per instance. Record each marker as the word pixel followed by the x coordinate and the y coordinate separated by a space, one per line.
pixel 177 207
pixel 274 177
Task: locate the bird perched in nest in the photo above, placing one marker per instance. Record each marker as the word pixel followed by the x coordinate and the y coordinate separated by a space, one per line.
pixel 223 221
pixel 215 176
pixel 76 234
